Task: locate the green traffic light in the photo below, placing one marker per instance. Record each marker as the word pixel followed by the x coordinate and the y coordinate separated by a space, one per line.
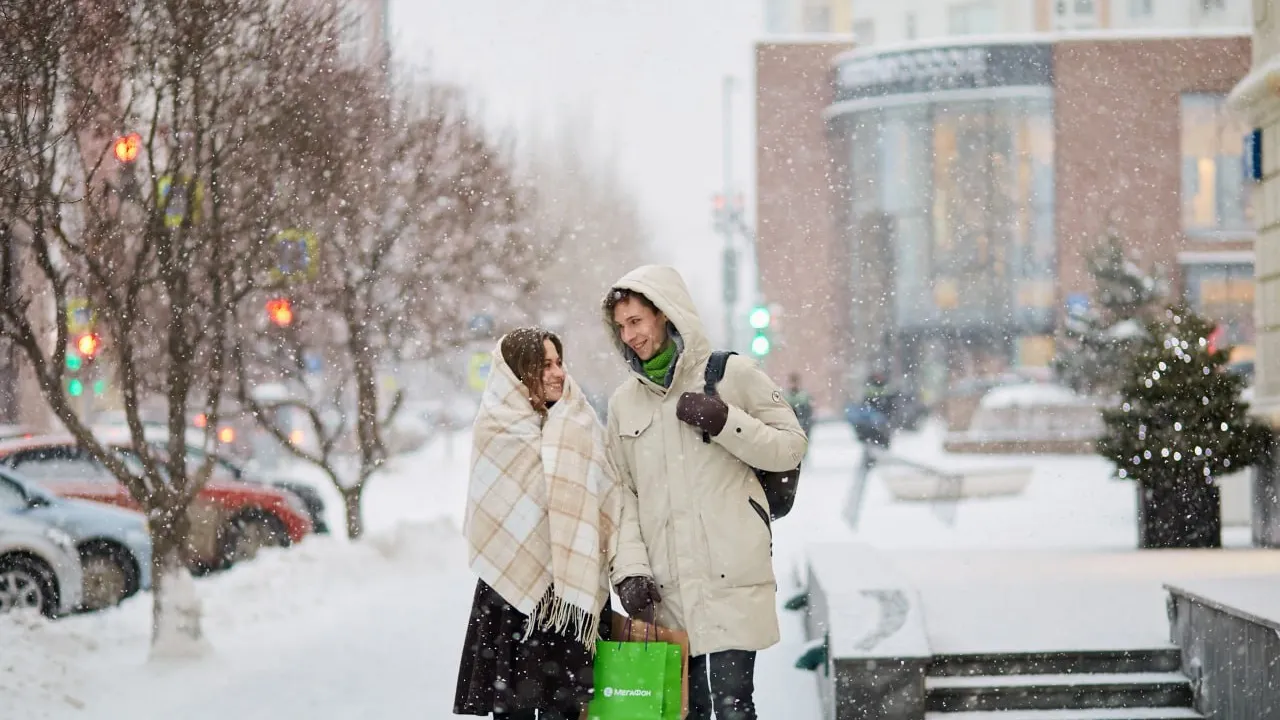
pixel 99 387
pixel 759 318
pixel 73 361
pixel 760 345
pixel 75 387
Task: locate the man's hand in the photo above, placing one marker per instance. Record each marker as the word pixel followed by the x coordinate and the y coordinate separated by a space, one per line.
pixel 639 594
pixel 705 412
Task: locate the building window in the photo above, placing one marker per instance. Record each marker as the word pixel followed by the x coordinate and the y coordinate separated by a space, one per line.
pixel 1215 198
pixel 776 16
pixel 817 18
pixel 864 32
pixel 911 26
pixel 1075 15
pixel 973 18
pixel 1224 293
pixel 1140 8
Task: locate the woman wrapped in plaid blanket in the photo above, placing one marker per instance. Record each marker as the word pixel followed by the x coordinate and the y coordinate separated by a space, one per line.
pixel 540 523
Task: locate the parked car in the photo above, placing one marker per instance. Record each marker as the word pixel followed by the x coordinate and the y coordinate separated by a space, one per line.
pixel 113 544
pixel 308 495
pixel 39 568
pixel 158 437
pixel 230 520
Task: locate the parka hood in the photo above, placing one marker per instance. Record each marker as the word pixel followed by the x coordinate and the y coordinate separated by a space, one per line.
pixel 666 289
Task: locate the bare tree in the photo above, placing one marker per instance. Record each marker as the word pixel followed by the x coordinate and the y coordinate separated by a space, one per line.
pixel 164 248
pixel 583 201
pixel 411 221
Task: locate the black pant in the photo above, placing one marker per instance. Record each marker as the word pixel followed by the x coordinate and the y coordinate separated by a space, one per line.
pixel 723 682
pixel 533 715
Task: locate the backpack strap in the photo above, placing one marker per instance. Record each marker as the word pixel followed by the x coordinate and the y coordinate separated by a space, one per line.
pixel 716 365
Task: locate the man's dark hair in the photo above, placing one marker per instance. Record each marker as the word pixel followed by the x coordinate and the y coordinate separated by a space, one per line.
pixel 618 295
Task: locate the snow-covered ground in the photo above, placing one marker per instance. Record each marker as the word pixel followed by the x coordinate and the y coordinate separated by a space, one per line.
pixel 333 629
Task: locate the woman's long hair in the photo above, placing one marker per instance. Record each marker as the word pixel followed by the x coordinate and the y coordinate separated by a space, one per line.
pixel 524 352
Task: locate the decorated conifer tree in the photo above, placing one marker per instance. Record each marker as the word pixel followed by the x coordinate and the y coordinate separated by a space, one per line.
pixel 1180 426
pixel 1095 340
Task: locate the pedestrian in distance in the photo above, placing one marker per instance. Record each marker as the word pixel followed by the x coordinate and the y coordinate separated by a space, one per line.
pixel 695 543
pixel 801 402
pixel 541 518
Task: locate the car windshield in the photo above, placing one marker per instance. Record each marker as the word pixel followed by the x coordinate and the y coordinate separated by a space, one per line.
pixel 32 489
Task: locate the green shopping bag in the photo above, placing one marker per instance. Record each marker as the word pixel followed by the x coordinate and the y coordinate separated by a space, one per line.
pixel 672 707
pixel 631 681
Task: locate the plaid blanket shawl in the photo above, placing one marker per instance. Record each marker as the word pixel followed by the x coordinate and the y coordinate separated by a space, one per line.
pixel 542 506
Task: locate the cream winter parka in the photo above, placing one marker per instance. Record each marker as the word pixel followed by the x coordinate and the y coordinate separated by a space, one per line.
pixel 694 516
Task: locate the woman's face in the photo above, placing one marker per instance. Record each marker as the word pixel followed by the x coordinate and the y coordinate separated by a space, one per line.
pixel 552 373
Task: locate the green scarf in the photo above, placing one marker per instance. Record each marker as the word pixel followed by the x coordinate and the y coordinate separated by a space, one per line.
pixel 657 367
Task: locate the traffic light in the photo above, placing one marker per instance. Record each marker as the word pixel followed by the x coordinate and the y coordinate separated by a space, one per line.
pixel 126 147
pixel 280 312
pixel 759 319
pixel 88 346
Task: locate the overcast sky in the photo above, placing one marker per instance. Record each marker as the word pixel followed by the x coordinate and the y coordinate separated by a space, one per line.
pixel 647 76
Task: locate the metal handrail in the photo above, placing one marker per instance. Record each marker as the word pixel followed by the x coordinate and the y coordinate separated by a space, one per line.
pixel 945 505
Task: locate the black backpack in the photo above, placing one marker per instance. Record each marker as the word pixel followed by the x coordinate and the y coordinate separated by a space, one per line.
pixel 779 487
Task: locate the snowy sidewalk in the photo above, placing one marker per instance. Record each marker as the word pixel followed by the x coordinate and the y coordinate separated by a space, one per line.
pixel 341 631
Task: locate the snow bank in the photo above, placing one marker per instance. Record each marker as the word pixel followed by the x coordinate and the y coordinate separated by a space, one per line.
pixel 38 672
pixel 71 667
pixel 1029 395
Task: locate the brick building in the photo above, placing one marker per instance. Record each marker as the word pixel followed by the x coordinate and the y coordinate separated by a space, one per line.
pixel 927 210
pixel 1258 97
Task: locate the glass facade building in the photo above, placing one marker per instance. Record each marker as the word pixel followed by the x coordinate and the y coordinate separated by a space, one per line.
pixel 951 192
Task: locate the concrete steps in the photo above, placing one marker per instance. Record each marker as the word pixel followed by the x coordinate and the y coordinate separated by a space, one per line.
pixel 1092 685
pixel 1087 714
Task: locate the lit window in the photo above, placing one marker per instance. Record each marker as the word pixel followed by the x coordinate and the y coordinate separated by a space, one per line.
pixel 1215 197
pixel 1224 293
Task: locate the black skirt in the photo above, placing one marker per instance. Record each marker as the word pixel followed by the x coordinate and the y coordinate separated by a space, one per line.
pixel 500 672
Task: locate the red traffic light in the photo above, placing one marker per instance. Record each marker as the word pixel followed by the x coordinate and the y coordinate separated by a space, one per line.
pixel 88 345
pixel 126 147
pixel 280 311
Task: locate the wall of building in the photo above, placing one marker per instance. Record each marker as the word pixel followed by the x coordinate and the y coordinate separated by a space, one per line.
pixel 907 20
pixel 788 17
pixel 1118 112
pixel 1179 13
pixel 801 269
pixel 1263 106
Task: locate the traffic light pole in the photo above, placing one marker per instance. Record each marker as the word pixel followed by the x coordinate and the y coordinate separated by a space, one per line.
pixel 730 266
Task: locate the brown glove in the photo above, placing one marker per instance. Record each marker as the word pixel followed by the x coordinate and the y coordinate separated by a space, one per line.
pixel 705 412
pixel 638 595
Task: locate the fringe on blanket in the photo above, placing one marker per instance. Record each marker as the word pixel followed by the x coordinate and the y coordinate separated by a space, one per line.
pixel 554 614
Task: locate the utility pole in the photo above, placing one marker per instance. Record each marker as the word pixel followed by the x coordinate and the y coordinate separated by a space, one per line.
pixel 727 210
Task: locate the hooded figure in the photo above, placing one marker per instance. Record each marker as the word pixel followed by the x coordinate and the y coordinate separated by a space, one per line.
pixel 694 547
pixel 542 508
